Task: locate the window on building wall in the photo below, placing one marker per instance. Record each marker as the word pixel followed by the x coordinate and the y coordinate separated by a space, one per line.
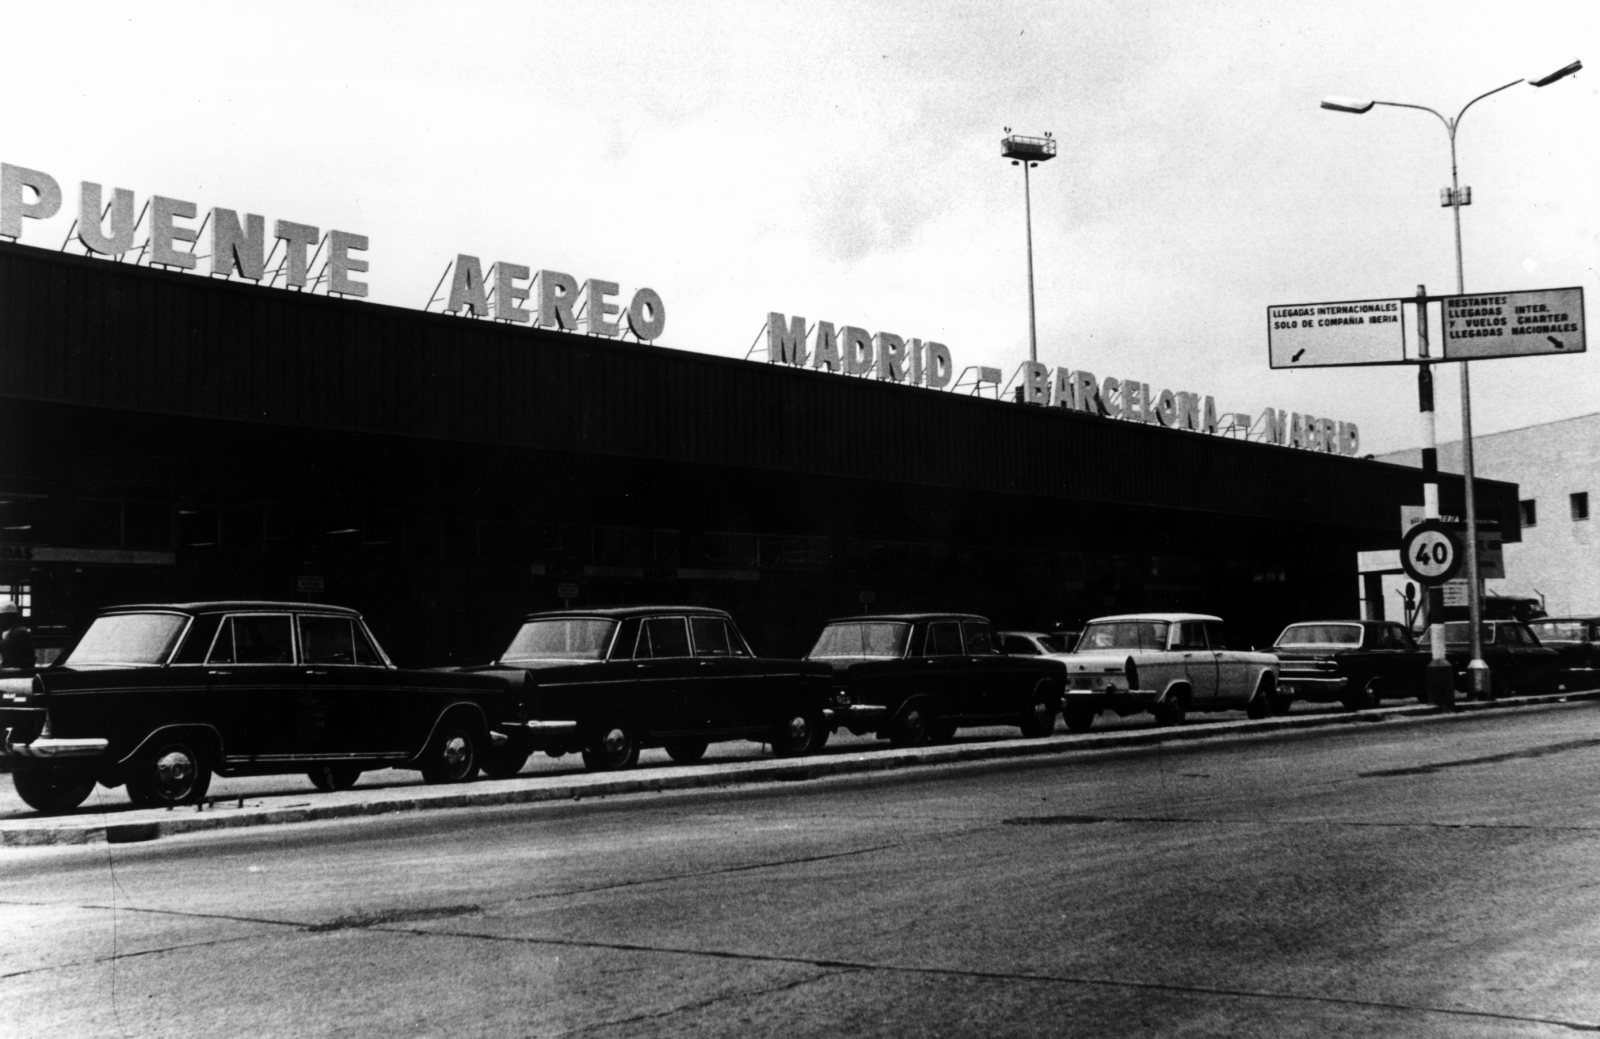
pixel 20 593
pixel 1580 505
pixel 1530 513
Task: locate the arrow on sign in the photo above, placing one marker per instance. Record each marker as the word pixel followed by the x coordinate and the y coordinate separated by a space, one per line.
pixel 1559 344
pixel 1297 355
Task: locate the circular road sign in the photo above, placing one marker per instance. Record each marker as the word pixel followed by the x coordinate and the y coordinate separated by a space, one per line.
pixel 1430 552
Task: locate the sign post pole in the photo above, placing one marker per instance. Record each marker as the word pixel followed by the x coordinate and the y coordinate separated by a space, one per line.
pixel 1439 678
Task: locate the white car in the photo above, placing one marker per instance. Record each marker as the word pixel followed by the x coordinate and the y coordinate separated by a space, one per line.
pixel 1167 664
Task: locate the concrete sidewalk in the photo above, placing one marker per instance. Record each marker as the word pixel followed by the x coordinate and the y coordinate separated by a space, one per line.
pixel 126 824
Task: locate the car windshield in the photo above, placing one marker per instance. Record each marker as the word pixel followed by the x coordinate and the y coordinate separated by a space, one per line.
pixel 1128 634
pixel 857 639
pixel 128 639
pixel 1561 631
pixel 561 638
pixel 1461 631
pixel 1321 635
pixel 1054 643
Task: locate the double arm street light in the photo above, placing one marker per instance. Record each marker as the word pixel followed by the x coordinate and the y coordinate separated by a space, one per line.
pixel 1455 198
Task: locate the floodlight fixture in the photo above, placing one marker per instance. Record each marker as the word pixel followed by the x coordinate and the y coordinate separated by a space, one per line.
pixel 1561 73
pixel 1353 105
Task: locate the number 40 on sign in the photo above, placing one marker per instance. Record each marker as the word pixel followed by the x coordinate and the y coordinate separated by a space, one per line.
pixel 1430 552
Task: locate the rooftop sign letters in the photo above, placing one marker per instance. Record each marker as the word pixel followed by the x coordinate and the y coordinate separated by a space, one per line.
pixel 239 245
pixel 1513 324
pixel 855 351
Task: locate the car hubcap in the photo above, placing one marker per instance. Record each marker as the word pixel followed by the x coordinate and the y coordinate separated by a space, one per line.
pixel 175 772
pixel 616 742
pixel 799 728
pixel 455 752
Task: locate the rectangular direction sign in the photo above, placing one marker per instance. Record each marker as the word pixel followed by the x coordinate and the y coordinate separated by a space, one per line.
pixel 1513 324
pixel 1328 335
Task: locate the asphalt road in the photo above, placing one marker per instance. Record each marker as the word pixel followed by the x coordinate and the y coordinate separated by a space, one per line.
pixel 1402 878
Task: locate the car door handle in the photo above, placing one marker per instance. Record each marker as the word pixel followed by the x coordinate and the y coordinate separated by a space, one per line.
pixel 320 672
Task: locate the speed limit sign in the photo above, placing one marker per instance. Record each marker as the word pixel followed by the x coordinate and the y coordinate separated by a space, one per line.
pixel 1430 552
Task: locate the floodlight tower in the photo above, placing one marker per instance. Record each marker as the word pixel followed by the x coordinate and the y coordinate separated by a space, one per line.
pixel 1026 152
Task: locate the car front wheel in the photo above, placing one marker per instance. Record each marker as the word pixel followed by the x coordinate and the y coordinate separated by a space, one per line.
pixel 686 752
pixel 912 726
pixel 174 774
pixel 796 733
pixel 616 747
pixel 453 755
pixel 329 778
pixel 53 788
pixel 1170 711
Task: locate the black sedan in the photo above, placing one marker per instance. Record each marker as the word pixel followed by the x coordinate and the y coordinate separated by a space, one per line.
pixel 158 697
pixel 1356 662
pixel 933 672
pixel 608 682
pixel 1518 664
pixel 1576 641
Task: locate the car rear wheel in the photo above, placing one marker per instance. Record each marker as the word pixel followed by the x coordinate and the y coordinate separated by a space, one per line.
pixel 1170 711
pixel 1078 719
pixel 686 752
pixel 941 731
pixel 1039 720
pixel 453 755
pixel 53 788
pixel 912 726
pixel 796 733
pixel 616 747
pixel 503 762
pixel 175 773
pixel 329 778
pixel 1369 696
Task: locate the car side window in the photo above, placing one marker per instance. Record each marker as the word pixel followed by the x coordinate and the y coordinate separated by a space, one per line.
pixel 944 639
pixel 662 637
pixel 1190 635
pixel 979 638
pixel 253 639
pixel 710 637
pixel 1016 645
pixel 333 640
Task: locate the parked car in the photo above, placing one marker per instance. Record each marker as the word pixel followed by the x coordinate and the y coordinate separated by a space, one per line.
pixel 1518 664
pixel 607 682
pixel 158 697
pixel 1036 643
pixel 1576 641
pixel 934 672
pixel 1358 663
pixel 1167 664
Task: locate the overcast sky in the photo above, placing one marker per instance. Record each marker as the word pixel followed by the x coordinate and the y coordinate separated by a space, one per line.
pixel 840 161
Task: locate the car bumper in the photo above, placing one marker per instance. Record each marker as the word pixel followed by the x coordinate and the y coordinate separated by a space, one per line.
pixel 857 717
pixel 1317 689
pixel 1109 699
pixel 47 748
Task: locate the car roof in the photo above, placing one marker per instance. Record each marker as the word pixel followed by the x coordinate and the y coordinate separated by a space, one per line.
pixel 620 612
pixel 1343 620
pixel 1157 617
pixel 909 618
pixel 232 606
pixel 1579 618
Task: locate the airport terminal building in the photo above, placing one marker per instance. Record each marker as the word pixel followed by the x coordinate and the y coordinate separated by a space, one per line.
pixel 170 436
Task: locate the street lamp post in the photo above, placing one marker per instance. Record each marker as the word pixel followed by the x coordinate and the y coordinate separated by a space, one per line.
pixel 1026 152
pixel 1455 198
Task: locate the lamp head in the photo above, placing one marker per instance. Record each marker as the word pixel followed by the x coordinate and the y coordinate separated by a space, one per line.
pixel 1353 105
pixel 1560 73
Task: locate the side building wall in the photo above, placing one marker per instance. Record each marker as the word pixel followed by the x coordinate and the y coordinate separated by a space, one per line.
pixel 1556 467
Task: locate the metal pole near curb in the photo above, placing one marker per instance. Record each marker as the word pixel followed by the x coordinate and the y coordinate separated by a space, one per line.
pixel 1480 683
pixel 1439 677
